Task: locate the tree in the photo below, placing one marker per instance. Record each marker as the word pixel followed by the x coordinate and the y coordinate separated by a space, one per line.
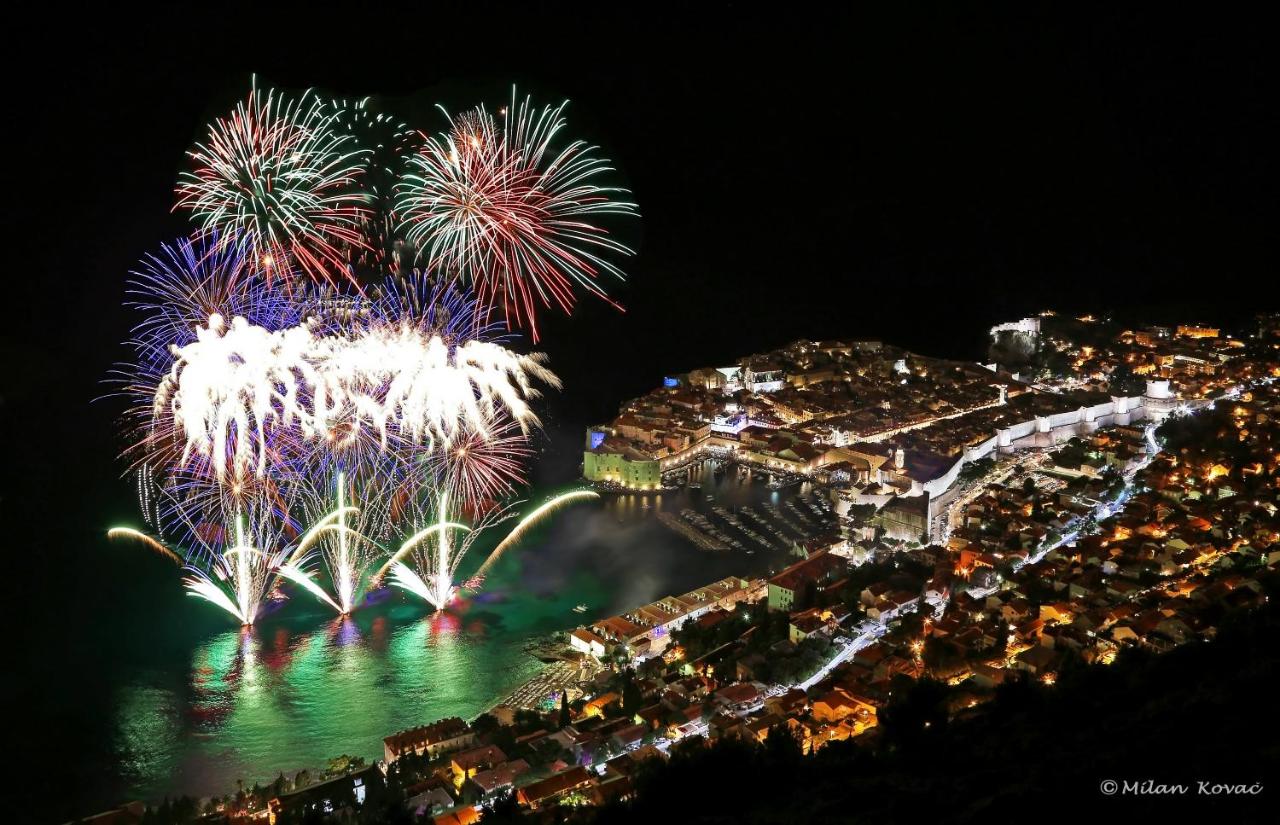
pixel 485 723
pixel 631 696
pixel 565 718
pixel 917 714
pixel 782 749
pixel 528 721
pixel 1123 381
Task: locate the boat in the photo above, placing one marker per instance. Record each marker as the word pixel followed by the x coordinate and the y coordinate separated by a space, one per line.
pixel 582 608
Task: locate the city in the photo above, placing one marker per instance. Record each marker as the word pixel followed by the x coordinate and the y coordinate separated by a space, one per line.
pixel 1075 537
pixel 528 414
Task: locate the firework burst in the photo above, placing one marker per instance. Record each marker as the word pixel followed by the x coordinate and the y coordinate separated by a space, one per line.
pixel 224 394
pixel 494 203
pixel 387 143
pixel 277 173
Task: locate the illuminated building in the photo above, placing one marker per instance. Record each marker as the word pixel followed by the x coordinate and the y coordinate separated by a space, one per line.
pixel 817 570
pixel 432 740
pixel 616 462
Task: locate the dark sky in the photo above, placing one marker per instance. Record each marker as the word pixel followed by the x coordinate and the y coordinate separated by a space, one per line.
pixel 912 178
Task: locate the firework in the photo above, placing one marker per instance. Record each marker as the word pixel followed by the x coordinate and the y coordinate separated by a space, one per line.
pixel 483 468
pixel 529 522
pixel 278 173
pixel 226 394
pixel 267 395
pixel 495 203
pixel 150 541
pixel 239 578
pixel 345 547
pixel 234 383
pixel 437 556
pixel 387 143
pixel 305 403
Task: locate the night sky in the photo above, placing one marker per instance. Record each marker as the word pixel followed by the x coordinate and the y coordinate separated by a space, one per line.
pixel 913 179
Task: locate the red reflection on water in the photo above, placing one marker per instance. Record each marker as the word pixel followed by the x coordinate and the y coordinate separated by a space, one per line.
pixel 278 653
pixel 212 703
pixel 344 631
pixel 200 675
pixel 379 634
pixel 444 623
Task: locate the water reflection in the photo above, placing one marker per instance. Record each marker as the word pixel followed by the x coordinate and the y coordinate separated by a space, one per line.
pixel 302 687
pixel 262 700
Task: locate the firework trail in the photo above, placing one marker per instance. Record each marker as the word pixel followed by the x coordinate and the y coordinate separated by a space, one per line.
pixel 238 578
pixel 494 203
pixel 277 172
pixel 150 541
pixel 527 523
pixel 344 543
pixel 436 556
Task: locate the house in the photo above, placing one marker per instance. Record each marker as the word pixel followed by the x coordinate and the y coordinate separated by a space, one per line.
pixel 788 704
pixel 430 802
pixel 614 789
pixel 1037 660
pixel 597 705
pixel 759 727
pixel 651 716
pixel 468 763
pixel 896 604
pixel 806 624
pixel 576 742
pixel 721 724
pixel 788 586
pixel 434 740
pixel 554 788
pixel 738 697
pixel 461 816
pixel 346 792
pixel 628 763
pixel 628 737
pixel 490 783
pixel 585 641
pixel 838 705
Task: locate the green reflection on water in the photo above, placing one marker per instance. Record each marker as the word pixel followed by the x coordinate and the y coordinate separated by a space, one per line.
pixel 302 686
pixel 281 698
